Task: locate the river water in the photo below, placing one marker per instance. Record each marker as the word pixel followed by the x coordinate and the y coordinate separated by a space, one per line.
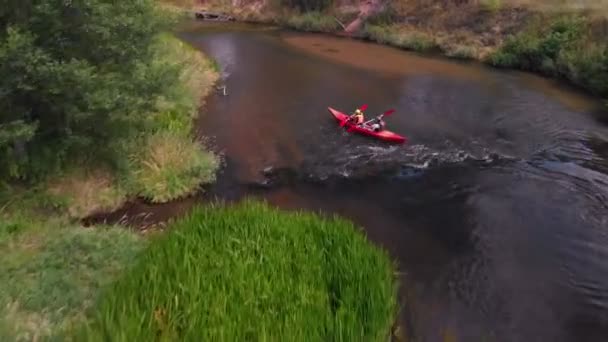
pixel 496 209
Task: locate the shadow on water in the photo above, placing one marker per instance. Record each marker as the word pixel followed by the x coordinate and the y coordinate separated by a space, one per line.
pixel 496 212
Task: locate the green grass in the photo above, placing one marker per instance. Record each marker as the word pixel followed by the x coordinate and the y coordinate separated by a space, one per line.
pixel 169 163
pixel 416 41
pixel 51 273
pixel 250 273
pixel 313 22
pixel 491 5
pixel 170 167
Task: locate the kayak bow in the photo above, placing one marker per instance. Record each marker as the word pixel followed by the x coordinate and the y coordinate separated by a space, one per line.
pixel 366 130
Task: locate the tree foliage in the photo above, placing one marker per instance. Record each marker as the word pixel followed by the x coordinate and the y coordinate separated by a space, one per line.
pixel 75 76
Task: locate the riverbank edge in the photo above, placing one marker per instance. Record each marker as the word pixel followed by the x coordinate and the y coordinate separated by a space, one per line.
pixel 433 44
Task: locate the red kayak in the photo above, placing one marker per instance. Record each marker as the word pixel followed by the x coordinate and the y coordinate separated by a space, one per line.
pixel 366 130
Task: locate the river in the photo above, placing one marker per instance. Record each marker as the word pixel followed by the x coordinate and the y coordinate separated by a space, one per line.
pixel 495 210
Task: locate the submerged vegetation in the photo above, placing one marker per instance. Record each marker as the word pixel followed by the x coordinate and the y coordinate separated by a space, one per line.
pixel 253 273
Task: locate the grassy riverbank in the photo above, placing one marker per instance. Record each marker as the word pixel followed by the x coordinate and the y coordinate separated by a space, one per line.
pixel 105 117
pixel 52 272
pixel 53 269
pixel 555 40
pixel 253 273
pixel 221 272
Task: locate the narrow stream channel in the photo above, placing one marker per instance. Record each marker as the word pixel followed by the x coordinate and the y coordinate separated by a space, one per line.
pixel 496 210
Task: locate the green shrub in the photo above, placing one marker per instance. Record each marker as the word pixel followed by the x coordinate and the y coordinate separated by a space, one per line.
pixel 252 273
pixel 588 68
pixel 313 22
pixel 530 49
pixel 562 49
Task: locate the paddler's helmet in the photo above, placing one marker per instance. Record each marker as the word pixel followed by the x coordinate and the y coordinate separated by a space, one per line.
pixel 358 111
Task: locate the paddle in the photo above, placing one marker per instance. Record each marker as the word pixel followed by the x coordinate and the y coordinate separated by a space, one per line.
pixel 364 107
pixel 387 113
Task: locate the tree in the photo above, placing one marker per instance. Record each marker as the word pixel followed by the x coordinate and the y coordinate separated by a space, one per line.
pixel 75 76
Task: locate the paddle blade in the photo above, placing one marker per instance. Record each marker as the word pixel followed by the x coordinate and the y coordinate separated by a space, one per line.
pixel 364 107
pixel 388 112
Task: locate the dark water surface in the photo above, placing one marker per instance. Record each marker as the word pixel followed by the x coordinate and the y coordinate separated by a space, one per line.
pixel 496 210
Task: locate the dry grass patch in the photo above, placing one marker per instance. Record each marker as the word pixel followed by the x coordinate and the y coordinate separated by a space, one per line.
pixel 87 192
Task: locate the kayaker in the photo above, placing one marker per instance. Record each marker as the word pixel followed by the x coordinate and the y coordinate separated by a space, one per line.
pixel 378 124
pixel 357 117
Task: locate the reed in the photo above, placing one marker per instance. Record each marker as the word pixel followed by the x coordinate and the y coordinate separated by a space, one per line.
pixel 250 272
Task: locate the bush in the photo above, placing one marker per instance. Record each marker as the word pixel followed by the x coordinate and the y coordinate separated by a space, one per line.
pixel 530 50
pixel 588 68
pixel 562 49
pixel 252 273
